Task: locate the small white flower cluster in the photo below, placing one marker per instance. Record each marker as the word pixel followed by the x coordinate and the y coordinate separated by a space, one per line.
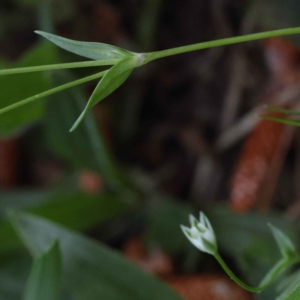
pixel 201 234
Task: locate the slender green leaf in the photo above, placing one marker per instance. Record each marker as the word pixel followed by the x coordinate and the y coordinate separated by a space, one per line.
pixel 96 51
pixel 114 77
pixel 45 277
pixel 91 270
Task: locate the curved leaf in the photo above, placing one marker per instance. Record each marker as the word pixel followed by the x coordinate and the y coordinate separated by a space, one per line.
pixel 112 79
pixel 96 51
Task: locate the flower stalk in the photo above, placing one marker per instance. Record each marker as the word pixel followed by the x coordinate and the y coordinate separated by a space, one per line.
pixel 202 236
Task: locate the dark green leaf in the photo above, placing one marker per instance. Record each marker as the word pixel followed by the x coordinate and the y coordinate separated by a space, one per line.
pixel 17 87
pixel 96 51
pixel 45 277
pixel 13 276
pixel 76 210
pixel 110 82
pixel 91 270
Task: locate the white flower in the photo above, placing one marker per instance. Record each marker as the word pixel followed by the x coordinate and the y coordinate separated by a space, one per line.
pixel 201 234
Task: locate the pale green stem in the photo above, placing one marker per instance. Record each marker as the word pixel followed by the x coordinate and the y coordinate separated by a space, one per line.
pixel 52 91
pixel 228 41
pixel 279 120
pixel 270 277
pixel 83 64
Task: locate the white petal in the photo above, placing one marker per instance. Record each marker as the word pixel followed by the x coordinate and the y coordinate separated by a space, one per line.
pixel 193 220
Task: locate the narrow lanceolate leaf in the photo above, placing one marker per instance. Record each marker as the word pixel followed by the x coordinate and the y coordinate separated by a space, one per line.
pixel 45 277
pixel 91 271
pixel 110 82
pixel 96 51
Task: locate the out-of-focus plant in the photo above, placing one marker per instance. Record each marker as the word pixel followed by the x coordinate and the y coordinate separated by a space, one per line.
pixel 289 112
pixel 77 252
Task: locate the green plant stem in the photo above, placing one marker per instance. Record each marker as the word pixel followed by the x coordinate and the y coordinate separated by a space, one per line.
pixel 269 278
pixel 83 64
pixel 228 41
pixel 279 120
pixel 52 91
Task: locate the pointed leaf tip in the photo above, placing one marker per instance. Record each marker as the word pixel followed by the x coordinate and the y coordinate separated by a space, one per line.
pixel 112 79
pixel 78 121
pixel 286 246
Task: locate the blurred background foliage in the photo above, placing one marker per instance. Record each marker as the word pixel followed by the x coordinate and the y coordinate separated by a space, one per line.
pixel 162 146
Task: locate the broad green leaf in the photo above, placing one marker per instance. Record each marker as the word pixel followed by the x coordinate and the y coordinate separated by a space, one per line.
pixel 110 82
pixel 45 278
pixel 295 294
pixel 75 210
pixel 16 87
pixel 96 51
pixel 91 271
